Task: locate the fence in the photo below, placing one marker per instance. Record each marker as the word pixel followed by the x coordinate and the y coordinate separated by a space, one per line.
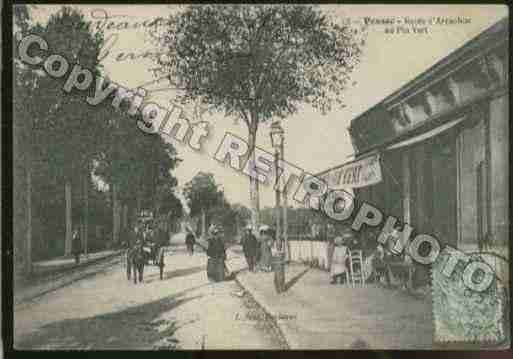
pixel 305 250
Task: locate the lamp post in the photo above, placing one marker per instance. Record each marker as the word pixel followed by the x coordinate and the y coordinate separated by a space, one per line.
pixel 277 140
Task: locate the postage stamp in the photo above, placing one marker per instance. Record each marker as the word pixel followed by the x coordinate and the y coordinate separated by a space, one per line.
pixel 462 313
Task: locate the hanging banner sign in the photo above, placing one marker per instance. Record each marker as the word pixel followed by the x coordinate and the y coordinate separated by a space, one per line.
pixel 360 173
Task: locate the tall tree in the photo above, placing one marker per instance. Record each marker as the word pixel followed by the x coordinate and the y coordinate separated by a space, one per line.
pixel 169 207
pixel 242 216
pixel 258 62
pixel 202 194
pixel 67 123
pixel 26 88
pixel 138 167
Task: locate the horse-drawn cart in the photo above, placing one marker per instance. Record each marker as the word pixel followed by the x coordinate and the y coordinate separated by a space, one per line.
pixel 148 249
pixel 140 256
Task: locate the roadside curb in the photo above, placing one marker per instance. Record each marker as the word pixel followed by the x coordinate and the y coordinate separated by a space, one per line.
pixel 71 267
pixel 23 299
pixel 261 301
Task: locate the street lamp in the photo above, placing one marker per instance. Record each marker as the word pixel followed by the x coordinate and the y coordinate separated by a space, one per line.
pixel 277 135
pixel 277 141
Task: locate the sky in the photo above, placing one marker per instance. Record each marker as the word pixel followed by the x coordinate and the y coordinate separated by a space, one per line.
pixel 313 142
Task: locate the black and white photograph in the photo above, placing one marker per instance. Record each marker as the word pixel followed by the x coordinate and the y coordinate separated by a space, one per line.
pixel 259 177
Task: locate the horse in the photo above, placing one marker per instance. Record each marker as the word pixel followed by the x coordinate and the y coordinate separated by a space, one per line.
pixel 136 259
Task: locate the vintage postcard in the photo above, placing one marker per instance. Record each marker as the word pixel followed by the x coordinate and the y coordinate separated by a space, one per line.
pixel 198 177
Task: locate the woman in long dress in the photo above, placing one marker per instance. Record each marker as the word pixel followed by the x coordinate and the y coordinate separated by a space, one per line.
pixel 265 241
pixel 216 256
pixel 338 261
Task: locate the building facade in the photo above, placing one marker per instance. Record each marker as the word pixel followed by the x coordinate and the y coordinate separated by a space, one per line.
pixel 443 145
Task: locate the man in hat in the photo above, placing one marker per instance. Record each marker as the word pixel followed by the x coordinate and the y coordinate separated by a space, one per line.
pixel 76 246
pixel 249 246
pixel 189 241
pixel 216 256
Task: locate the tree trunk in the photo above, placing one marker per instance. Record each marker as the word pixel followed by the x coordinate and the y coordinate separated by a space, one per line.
pixel 82 214
pixel 139 204
pixel 125 216
pixel 67 243
pixel 28 254
pixel 203 223
pixel 253 181
pixel 116 214
pixel 130 216
pixel 86 211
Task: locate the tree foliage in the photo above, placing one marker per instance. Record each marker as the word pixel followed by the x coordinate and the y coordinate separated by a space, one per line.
pixel 263 60
pixel 68 140
pixel 140 165
pixel 202 193
pixel 58 133
pixel 241 213
pixel 259 62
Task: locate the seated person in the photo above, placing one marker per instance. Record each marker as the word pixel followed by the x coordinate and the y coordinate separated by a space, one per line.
pixel 380 266
pixel 397 262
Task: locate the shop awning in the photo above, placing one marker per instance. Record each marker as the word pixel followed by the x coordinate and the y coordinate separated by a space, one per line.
pixel 424 136
pixel 362 172
pixel 365 170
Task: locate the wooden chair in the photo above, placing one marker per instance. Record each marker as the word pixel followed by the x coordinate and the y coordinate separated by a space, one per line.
pixel 356 270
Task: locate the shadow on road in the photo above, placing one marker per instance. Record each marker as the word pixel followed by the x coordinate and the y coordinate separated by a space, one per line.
pixel 295 279
pixel 175 274
pixel 133 328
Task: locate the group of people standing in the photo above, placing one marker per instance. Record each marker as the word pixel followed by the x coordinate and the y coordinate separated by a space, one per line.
pixel 258 250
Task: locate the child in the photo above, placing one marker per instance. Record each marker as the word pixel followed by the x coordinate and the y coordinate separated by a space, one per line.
pixel 338 261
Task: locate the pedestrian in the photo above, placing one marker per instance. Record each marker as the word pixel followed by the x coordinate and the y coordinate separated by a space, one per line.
pixel 338 268
pixel 216 256
pixel 130 241
pixel 190 241
pixel 76 246
pixel 160 239
pixel 249 246
pixel 329 251
pixel 265 241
